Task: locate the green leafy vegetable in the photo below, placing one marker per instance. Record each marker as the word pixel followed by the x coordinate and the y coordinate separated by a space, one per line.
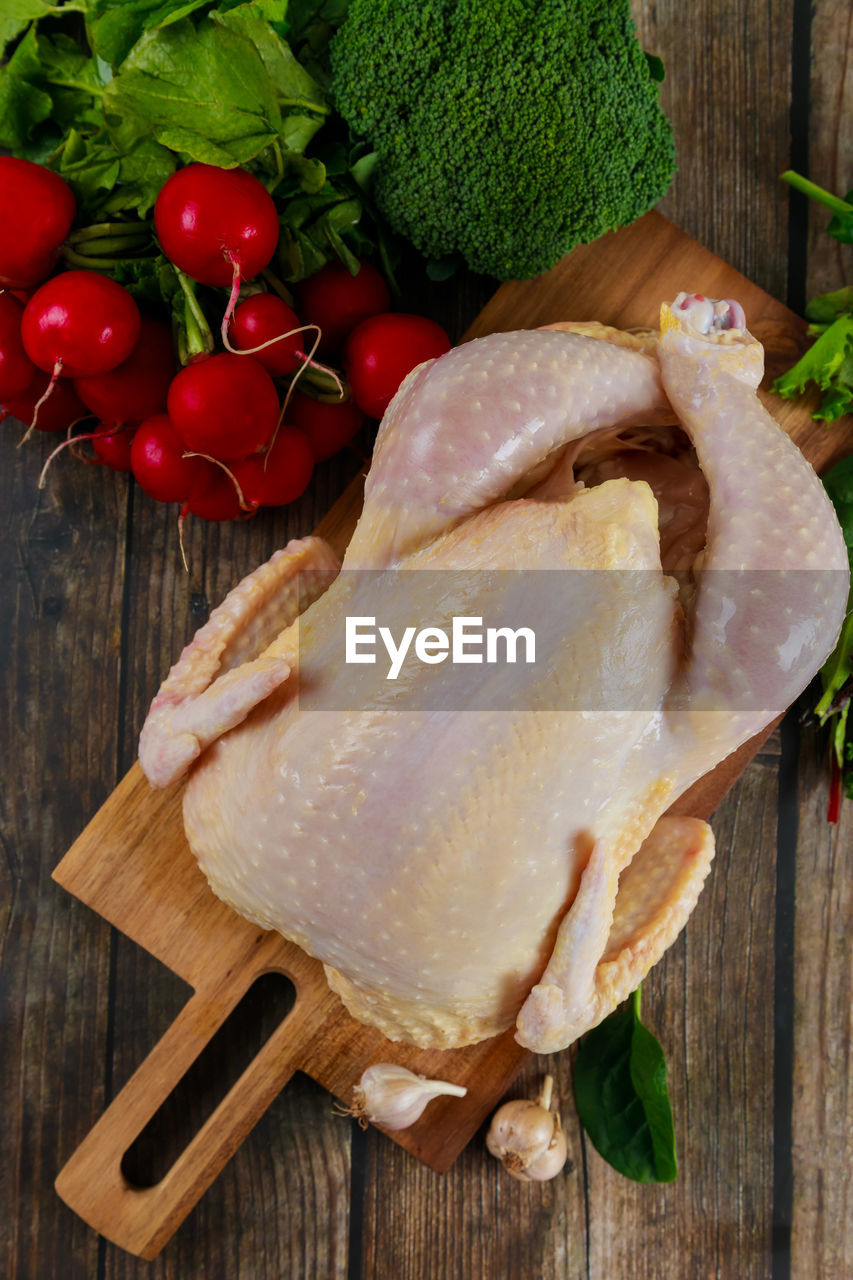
pixel 841 226
pixel 622 1098
pixel 829 362
pixel 203 92
pixel 836 675
pixel 158 83
pixel 507 133
pixel 16 15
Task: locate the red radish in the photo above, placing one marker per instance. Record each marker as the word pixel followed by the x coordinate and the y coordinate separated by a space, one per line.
pixel 382 350
pixel 158 463
pixel 137 388
pixel 279 476
pixel 328 425
pixel 336 301
pixel 224 405
pixel 219 226
pixel 36 211
pixel 17 371
pixel 213 495
pixel 210 220
pixel 260 319
pixel 114 449
pixel 80 323
pixel 56 414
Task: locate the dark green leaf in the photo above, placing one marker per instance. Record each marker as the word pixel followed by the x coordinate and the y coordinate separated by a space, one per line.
pixel 648 1076
pixel 142 278
pixel 90 165
pixel 302 15
pixel 439 269
pixel 841 225
pixel 838 668
pixel 834 674
pixel 838 483
pixel 165 14
pixel 96 163
pixel 298 254
pixel 657 71
pixel 115 26
pixel 838 398
pixel 829 306
pixel 297 131
pixel 24 104
pixel 622 1099
pixel 15 15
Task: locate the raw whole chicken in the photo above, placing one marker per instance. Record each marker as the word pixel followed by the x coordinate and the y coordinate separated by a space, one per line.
pixel 459 868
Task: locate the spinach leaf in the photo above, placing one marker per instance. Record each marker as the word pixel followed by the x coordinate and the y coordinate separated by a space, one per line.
pixel 24 104
pixel 837 672
pixel 294 86
pixel 202 91
pixel 114 169
pixel 47 87
pixel 622 1098
pixel 838 483
pixel 15 15
pixel 114 26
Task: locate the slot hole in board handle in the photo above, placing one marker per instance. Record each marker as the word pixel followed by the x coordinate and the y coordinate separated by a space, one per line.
pixel 262 1009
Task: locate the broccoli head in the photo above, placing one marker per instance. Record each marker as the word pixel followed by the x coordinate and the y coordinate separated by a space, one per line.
pixel 506 132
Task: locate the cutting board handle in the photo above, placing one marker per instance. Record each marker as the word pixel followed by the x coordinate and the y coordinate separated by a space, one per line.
pixel 142 1219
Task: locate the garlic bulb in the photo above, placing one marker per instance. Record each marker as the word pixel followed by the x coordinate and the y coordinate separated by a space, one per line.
pixel 395 1097
pixel 527 1137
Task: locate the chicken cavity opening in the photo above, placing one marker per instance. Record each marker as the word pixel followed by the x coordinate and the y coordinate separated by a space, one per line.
pixel 661 455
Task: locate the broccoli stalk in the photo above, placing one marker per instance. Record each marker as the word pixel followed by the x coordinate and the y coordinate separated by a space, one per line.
pixel 505 133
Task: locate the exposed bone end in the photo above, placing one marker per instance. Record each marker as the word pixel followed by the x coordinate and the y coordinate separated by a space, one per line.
pixel 708 315
pixel 712 340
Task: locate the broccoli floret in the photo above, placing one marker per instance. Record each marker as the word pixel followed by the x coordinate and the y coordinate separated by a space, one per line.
pixel 506 132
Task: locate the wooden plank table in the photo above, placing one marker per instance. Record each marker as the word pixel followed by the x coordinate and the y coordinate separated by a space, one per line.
pixel 95 606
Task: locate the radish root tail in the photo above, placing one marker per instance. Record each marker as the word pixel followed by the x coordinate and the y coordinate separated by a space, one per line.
pixel 48 391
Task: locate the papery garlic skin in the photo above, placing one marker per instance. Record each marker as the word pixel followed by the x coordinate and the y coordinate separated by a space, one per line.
pixel 394 1097
pixel 550 1162
pixel 528 1138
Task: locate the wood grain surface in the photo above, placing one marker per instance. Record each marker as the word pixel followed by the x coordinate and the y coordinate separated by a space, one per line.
pixel 132 864
pixel 753 1004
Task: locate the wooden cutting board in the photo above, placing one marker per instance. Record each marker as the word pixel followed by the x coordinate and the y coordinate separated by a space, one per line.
pixel 132 864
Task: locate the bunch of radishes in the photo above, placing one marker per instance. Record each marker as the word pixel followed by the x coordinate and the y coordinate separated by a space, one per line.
pixel 227 433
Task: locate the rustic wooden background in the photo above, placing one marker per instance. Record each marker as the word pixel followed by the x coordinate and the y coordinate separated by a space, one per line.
pixel 95 606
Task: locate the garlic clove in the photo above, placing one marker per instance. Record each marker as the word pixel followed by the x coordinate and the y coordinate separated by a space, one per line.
pixel 548 1163
pixel 527 1137
pixel 394 1097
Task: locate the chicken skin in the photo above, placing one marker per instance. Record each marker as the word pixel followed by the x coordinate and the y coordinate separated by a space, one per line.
pixel 465 856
